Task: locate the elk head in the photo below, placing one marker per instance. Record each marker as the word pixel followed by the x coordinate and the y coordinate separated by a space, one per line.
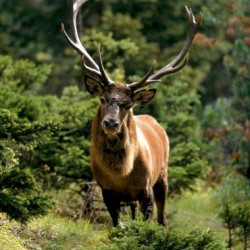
pixel 117 100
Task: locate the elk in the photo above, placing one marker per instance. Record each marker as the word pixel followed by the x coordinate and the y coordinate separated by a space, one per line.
pixel 129 154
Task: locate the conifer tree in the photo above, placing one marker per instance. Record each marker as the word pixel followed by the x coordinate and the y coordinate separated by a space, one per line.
pixel 21 197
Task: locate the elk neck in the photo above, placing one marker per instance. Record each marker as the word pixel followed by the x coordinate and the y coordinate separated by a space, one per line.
pixel 117 150
pixel 117 142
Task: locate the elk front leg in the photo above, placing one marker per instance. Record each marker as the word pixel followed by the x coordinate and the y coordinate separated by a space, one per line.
pixel 112 202
pixel 133 205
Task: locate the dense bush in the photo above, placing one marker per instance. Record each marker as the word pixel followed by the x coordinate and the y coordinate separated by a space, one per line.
pixel 45 139
pixel 21 196
pixel 234 197
pixel 150 236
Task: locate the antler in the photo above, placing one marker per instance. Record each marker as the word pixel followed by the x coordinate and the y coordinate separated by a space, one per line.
pixel 180 60
pixel 96 69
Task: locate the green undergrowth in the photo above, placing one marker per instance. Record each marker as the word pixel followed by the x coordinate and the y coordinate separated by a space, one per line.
pixel 193 224
pixel 151 236
pixel 54 232
pixel 10 241
pixel 196 210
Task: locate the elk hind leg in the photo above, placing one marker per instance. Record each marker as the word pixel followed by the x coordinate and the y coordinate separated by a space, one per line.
pixel 160 195
pixel 147 204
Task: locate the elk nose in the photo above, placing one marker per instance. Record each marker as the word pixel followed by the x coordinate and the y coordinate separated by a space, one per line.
pixel 110 123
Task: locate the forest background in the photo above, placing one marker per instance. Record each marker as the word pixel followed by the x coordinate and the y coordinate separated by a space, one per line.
pixel 45 113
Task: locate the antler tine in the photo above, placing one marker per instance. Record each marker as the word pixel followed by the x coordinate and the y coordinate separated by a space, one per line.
pixel 144 80
pixel 174 65
pixel 92 67
pixel 105 77
pixel 89 69
pixel 76 43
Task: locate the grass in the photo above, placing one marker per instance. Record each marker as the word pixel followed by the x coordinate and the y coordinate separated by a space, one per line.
pixel 54 232
pixel 191 211
pixel 10 241
pixel 198 210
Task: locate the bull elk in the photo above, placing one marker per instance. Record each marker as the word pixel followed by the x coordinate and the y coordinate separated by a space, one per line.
pixel 129 154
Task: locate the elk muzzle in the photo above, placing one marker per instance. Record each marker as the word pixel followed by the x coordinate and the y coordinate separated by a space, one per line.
pixel 111 122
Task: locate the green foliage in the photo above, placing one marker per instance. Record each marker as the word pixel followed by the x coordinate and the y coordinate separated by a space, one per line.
pixel 49 135
pixel 122 50
pixel 235 198
pixel 238 66
pixel 23 75
pixel 186 165
pixel 19 81
pixel 20 195
pixel 218 129
pixel 148 235
pixel 16 129
pixel 21 198
pixel 226 120
pixel 66 155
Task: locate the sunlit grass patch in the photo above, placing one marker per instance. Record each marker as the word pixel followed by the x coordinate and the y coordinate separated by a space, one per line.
pixel 54 232
pixel 9 241
pixel 196 210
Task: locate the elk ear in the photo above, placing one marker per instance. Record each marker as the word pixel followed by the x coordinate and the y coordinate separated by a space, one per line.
pixel 93 86
pixel 144 97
